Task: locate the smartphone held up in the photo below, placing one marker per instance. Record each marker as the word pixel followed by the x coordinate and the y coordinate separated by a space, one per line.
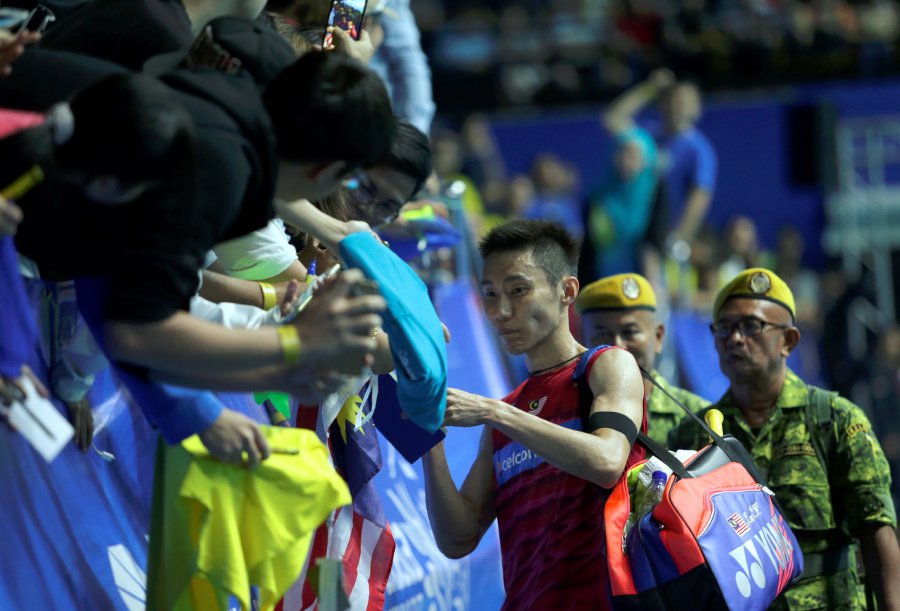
pixel 347 15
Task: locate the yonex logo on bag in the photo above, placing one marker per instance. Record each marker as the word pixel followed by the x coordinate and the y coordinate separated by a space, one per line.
pixel 752 569
pixel 775 544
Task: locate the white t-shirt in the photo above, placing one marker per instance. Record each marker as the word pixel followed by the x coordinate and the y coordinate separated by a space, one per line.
pixel 232 315
pixel 263 254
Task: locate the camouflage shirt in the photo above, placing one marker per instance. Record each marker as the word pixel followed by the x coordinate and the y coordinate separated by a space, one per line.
pixel 662 412
pixel 822 509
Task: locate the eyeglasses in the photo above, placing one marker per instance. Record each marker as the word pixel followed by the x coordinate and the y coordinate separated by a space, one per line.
pixel 748 327
pixel 364 196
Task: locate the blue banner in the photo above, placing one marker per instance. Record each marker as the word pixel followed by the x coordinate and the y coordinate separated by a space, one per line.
pixel 422 577
pixel 77 529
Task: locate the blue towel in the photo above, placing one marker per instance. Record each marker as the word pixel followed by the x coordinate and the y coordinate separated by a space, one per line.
pixel 417 338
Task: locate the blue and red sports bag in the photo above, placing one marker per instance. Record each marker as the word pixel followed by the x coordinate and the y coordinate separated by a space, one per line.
pixel 716 540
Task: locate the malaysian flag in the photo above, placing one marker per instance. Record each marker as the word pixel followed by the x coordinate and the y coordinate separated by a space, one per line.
pixel 358 535
pixel 739 525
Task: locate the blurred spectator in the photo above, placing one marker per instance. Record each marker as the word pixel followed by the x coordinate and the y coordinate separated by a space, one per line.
pixel 555 200
pixel 692 283
pixel 879 26
pixel 803 281
pixel 519 197
pixel 885 387
pixel 742 248
pixel 688 162
pixel 448 165
pixel 402 64
pixel 618 213
pixel 545 52
pixel 482 161
pixel 473 160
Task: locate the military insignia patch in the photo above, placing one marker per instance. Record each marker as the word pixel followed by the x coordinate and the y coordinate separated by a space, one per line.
pixel 760 283
pixel 859 427
pixel 630 288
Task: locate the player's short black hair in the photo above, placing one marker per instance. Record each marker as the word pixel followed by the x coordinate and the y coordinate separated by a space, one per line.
pixel 551 246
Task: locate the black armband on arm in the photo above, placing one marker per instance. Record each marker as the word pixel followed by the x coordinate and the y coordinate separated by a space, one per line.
pixel 613 420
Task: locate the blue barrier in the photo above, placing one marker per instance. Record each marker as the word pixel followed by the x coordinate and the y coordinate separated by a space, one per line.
pixel 76 529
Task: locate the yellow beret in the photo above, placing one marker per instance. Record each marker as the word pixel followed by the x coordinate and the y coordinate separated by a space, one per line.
pixel 756 283
pixel 619 292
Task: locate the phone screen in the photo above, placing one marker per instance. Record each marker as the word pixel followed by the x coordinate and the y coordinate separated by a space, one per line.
pixel 347 15
pixel 38 19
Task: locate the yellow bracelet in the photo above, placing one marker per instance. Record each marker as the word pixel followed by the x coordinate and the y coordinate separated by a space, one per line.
pixel 270 297
pixel 290 343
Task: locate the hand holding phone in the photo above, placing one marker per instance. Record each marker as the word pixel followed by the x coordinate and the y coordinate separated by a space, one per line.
pixel 361 50
pixel 347 15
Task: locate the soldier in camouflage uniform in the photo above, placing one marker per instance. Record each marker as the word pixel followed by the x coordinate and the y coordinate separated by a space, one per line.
pixel 815 448
pixel 621 311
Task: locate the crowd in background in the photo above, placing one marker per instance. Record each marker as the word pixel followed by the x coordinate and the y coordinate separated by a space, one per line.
pixel 539 53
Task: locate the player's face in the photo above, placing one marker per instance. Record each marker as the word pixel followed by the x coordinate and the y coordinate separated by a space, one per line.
pixel 519 300
pixel 634 330
pixel 745 357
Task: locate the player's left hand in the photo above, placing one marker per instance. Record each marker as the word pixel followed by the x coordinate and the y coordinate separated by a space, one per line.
pixel 466 409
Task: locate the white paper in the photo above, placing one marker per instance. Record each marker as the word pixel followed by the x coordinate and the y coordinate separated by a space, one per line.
pixel 38 421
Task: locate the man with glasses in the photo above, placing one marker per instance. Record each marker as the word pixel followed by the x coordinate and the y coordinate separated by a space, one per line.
pixel 815 449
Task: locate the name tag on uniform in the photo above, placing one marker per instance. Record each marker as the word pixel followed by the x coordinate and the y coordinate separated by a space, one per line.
pixel 795 449
pixel 38 421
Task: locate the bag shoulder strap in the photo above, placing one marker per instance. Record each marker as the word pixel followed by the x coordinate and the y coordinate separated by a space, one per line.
pixel 579 376
pixel 666 457
pixel 819 416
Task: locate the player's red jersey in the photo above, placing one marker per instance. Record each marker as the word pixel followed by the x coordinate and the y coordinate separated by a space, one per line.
pixel 551 523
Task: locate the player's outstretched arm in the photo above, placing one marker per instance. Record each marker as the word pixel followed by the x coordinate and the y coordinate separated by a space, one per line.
pixel 599 457
pixel 459 518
